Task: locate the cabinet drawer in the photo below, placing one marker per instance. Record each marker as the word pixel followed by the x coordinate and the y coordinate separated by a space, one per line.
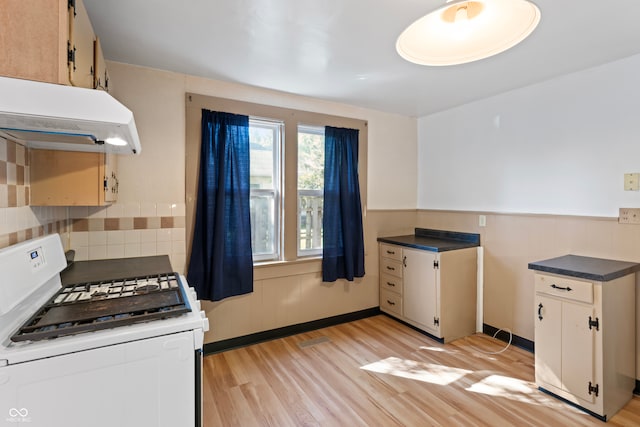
pixel 390 302
pixel 390 266
pixel 391 283
pixel 391 251
pixel 564 287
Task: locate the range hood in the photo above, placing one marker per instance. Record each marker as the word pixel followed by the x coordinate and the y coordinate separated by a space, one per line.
pixel 59 117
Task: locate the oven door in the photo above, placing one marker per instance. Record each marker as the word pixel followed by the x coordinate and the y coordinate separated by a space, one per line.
pixel 148 382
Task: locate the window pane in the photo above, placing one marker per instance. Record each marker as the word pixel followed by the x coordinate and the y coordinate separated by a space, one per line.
pixel 264 140
pixel 263 241
pixel 310 189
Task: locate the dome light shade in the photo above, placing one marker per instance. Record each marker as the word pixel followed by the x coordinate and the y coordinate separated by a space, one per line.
pixel 463 31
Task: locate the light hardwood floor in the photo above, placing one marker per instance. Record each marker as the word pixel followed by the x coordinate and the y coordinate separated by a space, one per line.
pixel 378 372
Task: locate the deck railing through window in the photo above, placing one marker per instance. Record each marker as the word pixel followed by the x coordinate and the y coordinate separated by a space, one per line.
pixel 310 222
pixel 264 225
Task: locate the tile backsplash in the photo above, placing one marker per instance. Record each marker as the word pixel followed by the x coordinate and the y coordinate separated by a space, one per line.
pixel 18 220
pixel 121 230
pixel 129 230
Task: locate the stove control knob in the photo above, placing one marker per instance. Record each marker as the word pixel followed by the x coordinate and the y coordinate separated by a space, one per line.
pixel 196 305
pixel 205 321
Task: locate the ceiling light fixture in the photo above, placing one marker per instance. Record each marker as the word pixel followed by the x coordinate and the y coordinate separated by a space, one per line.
pixel 463 31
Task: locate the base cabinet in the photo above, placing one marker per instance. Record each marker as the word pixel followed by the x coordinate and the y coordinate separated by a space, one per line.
pixel 433 291
pixel 585 341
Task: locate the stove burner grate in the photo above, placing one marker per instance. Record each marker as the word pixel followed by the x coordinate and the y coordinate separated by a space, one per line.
pixel 108 304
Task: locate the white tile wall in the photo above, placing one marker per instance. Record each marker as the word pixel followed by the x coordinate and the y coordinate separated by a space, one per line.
pixel 163 209
pixel 91 245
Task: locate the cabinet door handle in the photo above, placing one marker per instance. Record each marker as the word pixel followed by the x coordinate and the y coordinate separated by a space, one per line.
pixel 390 268
pixel 391 302
pixel 391 284
pixel 540 311
pixel 560 288
pixel 404 261
pixel 391 252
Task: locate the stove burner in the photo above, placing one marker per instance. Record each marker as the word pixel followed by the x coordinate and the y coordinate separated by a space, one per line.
pixel 147 287
pixel 99 294
pixel 102 305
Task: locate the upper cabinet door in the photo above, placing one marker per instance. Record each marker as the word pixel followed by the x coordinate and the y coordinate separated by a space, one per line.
pixel 33 40
pixel 81 41
pixel 101 76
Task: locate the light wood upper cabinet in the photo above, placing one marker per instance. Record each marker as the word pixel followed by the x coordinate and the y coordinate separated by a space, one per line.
pixel 71 178
pixel 47 40
pixel 81 39
pixel 101 75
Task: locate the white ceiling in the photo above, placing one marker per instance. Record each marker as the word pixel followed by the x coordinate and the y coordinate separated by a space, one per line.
pixel 344 50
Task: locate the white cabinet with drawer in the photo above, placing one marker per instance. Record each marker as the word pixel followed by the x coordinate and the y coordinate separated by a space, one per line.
pixel 391 283
pixel 433 291
pixel 585 340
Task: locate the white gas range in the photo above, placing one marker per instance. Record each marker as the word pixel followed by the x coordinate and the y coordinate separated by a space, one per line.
pixel 115 353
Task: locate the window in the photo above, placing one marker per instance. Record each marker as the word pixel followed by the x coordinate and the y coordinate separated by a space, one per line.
pixel 286 183
pixel 310 189
pixel 265 141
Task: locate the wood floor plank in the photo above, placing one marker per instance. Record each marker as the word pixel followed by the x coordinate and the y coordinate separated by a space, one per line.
pixel 379 372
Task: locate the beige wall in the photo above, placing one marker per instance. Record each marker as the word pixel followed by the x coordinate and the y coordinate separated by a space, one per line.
pixel 511 241
pixel 284 294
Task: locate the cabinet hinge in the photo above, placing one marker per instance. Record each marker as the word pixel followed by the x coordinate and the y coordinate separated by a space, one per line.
pixel 71 55
pixel 436 264
pixel 593 389
pixel 594 323
pixel 436 321
pixel 106 184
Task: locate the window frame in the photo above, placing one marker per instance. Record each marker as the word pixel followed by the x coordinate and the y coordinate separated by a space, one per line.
pixel 289 204
pixel 313 130
pixel 277 126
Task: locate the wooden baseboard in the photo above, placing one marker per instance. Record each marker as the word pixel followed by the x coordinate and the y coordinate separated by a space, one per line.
pixel 245 340
pixel 502 335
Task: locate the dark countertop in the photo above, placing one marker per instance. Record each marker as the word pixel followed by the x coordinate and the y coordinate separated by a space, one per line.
pixel 435 240
pixel 602 270
pixel 110 269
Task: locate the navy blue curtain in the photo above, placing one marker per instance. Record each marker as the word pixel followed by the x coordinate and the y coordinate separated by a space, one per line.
pixel 221 263
pixel 342 237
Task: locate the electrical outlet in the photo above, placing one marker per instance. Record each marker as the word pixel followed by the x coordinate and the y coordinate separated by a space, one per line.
pixel 482 221
pixel 629 216
pixel 631 182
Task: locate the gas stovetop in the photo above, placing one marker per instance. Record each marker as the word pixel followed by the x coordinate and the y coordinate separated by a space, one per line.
pixel 106 304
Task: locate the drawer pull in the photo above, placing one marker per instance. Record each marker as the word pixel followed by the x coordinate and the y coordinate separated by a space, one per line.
pixel 391 302
pixel 391 284
pixel 560 288
pixel 391 268
pixel 391 252
pixel 540 311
